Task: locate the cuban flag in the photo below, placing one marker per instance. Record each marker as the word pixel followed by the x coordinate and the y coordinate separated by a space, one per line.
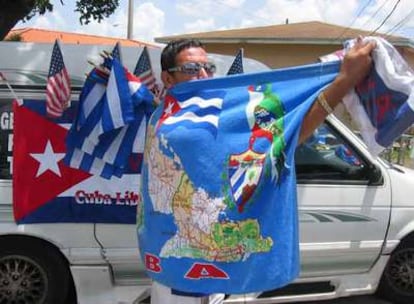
pixel 219 212
pixel 200 111
pixel 382 105
pixel 46 190
pixel 111 113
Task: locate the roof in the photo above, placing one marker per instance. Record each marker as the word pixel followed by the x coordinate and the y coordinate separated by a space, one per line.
pixel 48 36
pixel 313 32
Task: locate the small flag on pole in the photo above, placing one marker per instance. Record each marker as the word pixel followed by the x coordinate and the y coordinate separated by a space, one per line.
pixel 4 80
pixel 144 71
pixel 116 52
pixel 237 65
pixel 110 114
pixel 58 85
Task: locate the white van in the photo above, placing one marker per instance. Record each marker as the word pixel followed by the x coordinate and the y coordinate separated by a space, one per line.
pixel 356 213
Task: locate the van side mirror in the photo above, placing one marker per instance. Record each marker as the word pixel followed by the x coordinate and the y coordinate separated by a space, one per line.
pixel 375 175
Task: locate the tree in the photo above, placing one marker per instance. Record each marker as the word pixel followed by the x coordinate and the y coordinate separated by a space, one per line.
pixel 14 37
pixel 14 11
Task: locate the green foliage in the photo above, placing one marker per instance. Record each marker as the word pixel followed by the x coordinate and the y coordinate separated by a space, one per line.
pixel 88 9
pixel 40 7
pixel 14 37
pixel 401 151
pixel 95 9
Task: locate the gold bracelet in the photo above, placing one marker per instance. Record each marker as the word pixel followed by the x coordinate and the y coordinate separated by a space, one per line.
pixel 324 104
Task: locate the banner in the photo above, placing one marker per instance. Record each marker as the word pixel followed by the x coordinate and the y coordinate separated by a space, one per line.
pixel 45 190
pixel 219 212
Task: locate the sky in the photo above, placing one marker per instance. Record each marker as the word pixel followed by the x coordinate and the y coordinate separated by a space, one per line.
pixel 157 18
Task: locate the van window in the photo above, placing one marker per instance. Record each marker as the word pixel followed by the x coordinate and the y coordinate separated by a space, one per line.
pixel 327 158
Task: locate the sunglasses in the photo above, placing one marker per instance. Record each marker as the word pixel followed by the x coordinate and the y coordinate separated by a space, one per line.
pixel 193 68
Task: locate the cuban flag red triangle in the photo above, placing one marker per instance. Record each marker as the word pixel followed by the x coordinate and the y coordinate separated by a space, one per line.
pixel 39 174
pixel 171 107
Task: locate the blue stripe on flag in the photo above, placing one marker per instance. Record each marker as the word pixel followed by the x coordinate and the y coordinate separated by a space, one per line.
pixel 393 128
pixel 118 109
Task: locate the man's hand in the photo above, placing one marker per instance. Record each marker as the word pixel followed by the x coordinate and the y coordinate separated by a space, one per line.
pixel 356 65
pixel 354 68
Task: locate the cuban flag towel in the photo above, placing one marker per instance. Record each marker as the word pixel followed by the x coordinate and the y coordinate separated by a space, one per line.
pixel 219 212
pixel 219 209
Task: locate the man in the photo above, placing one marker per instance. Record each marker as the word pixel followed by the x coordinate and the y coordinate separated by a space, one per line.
pixel 186 60
pixel 354 68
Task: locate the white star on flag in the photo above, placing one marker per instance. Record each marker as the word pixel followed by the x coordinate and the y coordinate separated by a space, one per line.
pixel 48 160
pixel 168 109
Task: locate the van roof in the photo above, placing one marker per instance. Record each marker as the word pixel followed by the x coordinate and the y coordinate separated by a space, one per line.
pixel 25 63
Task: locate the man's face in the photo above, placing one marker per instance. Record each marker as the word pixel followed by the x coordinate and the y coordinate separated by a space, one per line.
pixel 194 55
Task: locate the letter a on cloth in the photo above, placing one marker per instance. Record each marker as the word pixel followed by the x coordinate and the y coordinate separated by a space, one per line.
pixel 219 188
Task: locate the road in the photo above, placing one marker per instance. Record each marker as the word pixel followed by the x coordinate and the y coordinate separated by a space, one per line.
pixel 352 300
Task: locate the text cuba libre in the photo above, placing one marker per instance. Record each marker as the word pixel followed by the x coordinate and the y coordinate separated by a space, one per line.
pixel 128 198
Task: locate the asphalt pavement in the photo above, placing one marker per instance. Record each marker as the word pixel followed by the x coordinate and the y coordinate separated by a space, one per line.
pixel 353 300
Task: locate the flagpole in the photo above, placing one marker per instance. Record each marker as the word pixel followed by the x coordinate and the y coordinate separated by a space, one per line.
pixel 130 19
pixel 4 80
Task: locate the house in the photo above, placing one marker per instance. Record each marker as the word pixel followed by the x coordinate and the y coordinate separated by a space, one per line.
pixel 289 44
pixel 80 52
pixel 49 36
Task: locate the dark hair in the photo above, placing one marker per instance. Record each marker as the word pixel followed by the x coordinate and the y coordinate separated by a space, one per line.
pixel 173 48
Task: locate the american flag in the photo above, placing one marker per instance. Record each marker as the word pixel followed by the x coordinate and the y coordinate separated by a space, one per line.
pixel 144 71
pixel 116 53
pixel 237 65
pixel 58 85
